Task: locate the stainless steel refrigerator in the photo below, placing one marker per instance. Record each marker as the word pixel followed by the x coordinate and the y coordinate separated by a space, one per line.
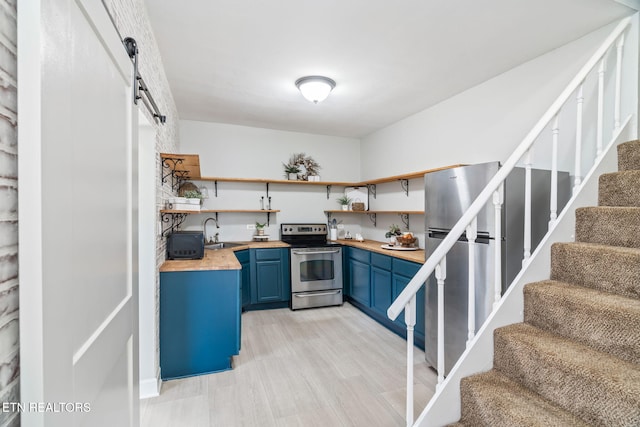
pixel 448 194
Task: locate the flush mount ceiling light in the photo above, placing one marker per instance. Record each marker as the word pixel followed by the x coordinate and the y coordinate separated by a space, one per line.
pixel 315 88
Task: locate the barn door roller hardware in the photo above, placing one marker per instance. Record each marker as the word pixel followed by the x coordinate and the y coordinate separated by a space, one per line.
pixel 139 86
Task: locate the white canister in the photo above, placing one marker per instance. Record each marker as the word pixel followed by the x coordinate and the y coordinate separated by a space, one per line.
pixel 333 234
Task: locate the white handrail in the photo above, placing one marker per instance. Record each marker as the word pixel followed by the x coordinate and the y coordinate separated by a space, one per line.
pixel 447 243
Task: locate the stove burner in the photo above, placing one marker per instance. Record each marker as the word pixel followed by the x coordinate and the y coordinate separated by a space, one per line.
pixel 304 235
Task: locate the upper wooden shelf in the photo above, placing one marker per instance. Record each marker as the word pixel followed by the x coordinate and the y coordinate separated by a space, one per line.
pixel 176 211
pixel 412 175
pixel 339 211
pixel 187 166
pixel 271 181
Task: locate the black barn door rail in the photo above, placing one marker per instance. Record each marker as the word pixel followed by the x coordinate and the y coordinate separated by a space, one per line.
pixel 140 88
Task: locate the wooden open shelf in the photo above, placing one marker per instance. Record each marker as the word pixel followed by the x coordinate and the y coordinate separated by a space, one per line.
pixel 174 211
pixel 412 175
pixel 404 215
pixel 339 211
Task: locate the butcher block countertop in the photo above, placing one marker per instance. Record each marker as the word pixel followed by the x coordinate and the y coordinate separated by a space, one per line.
pixel 375 246
pixel 219 259
pixel 225 259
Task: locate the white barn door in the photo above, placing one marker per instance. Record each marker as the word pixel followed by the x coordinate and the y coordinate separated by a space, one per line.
pixel 77 174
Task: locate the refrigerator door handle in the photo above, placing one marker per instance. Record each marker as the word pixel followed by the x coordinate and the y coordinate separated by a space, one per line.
pixel 483 236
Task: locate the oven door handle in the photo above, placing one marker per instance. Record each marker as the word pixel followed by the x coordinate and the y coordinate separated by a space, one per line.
pixel 334 251
pixel 317 294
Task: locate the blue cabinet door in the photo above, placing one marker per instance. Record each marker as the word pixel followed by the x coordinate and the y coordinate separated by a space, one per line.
pixel 269 286
pixel 199 321
pixel 270 275
pixel 381 292
pixel 360 281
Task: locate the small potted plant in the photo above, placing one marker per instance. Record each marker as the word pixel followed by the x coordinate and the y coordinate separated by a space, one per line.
pixel 194 197
pixel 344 201
pixel 291 171
pixel 260 228
pixel 394 231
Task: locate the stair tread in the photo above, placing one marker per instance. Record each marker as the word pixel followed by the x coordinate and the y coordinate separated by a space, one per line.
pixel 602 320
pixel 600 388
pixel 509 403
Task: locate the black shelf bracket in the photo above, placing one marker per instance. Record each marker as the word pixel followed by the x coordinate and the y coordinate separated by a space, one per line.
pixel 404 183
pixel 328 190
pixel 215 188
pixel 267 190
pixel 372 217
pixel 177 176
pixel 372 189
pixel 173 221
pixel 405 219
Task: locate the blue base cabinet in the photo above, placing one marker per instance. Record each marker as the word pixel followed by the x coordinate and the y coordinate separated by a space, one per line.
pixel 199 321
pixel 270 278
pixel 375 280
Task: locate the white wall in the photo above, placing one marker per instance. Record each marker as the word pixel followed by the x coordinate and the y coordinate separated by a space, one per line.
pixel 484 123
pixel 245 152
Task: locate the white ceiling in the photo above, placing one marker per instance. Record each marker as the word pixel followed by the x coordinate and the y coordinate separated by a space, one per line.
pixel 236 61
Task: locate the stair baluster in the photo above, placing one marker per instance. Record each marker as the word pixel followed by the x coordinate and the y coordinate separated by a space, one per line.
pixel 553 203
pixel 578 163
pixel 472 235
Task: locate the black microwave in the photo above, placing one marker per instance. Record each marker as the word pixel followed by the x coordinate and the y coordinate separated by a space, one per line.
pixel 185 245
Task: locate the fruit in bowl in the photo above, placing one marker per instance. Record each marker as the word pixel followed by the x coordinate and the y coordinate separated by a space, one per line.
pixel 406 240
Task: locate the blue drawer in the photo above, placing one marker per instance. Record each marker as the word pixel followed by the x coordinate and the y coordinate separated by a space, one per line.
pixel 405 268
pixel 268 254
pixel 381 261
pixel 359 255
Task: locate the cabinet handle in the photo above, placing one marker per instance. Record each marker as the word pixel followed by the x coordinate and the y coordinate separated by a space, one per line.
pixel 318 294
pixel 316 252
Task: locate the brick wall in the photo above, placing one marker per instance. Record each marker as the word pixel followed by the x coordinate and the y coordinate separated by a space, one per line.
pixel 131 20
pixel 9 337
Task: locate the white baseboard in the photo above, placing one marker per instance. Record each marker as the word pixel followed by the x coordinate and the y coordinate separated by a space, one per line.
pixel 150 387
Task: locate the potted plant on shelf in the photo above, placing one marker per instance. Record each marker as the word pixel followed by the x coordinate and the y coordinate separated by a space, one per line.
pixel 291 171
pixel 260 228
pixel 344 201
pixel 193 199
pixel 394 231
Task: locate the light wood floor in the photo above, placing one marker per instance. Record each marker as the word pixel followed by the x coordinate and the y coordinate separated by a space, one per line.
pixel 321 367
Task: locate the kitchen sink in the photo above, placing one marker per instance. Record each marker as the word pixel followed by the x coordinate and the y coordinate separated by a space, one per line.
pixel 222 245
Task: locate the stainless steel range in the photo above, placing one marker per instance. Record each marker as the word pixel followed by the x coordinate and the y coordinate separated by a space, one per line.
pixel 316 266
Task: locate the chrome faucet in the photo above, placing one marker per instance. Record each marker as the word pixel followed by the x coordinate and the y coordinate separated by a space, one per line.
pixel 204 230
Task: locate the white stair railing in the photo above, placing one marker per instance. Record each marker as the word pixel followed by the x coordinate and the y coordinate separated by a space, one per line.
pixel 492 193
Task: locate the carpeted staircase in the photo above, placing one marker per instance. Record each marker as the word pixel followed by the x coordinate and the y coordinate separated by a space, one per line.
pixel 575 361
